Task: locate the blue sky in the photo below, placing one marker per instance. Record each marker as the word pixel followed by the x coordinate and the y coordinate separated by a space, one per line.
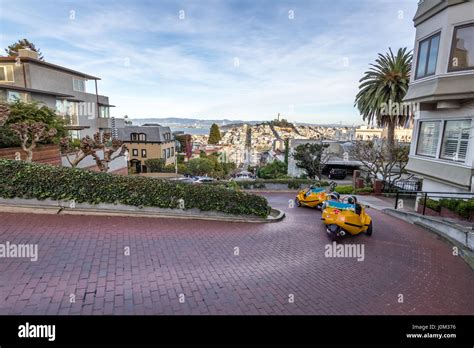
pixel 225 59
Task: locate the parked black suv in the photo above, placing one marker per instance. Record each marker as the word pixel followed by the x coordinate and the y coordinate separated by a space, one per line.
pixel 337 173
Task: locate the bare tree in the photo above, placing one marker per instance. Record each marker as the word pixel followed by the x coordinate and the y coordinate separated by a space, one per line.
pixel 380 159
pixel 111 149
pixel 4 113
pixel 30 134
pixel 86 148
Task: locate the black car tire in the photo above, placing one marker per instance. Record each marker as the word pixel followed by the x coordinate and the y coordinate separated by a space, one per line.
pixel 298 203
pixel 369 229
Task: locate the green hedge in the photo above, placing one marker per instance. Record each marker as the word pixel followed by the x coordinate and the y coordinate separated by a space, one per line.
pixel 459 206
pixel 344 189
pixel 367 189
pixel 32 180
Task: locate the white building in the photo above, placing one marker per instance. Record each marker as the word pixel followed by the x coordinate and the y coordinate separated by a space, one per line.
pixel 442 82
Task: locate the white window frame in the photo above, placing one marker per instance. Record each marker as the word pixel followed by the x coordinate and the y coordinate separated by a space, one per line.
pixel 5 67
pixel 440 123
pixel 74 85
pixel 438 157
pixel 459 140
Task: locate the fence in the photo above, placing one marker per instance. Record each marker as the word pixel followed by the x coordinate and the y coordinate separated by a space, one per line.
pixel 424 196
pixel 403 185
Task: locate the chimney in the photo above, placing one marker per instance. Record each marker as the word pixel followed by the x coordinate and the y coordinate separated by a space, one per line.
pixel 26 52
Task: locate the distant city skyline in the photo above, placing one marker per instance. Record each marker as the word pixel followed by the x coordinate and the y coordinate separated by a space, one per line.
pixel 245 60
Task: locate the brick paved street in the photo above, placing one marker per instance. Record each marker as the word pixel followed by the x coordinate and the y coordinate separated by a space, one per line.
pixel 85 256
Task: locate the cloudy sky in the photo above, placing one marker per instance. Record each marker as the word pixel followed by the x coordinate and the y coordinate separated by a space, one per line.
pixel 217 59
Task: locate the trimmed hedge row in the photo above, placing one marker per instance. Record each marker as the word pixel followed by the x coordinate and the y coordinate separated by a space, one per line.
pixel 462 207
pixel 32 180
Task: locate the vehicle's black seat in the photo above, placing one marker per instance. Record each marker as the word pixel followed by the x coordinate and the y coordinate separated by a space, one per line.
pixel 358 209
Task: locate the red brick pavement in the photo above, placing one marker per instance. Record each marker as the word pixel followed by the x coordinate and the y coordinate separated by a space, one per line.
pixel 84 256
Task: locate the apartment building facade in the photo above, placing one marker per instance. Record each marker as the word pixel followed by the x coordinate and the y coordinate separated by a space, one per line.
pixel 442 85
pixel 27 78
pixel 149 141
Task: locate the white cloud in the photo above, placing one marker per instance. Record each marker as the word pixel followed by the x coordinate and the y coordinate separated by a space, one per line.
pixel 154 64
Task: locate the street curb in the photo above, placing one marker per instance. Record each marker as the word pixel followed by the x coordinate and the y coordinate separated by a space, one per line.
pixel 439 228
pixel 33 206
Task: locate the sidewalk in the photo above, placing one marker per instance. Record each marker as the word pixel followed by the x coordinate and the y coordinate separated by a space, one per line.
pixel 375 202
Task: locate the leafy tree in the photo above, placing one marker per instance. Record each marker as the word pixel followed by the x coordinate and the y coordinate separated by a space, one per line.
pixel 384 85
pixel 200 166
pixel 273 170
pixel 311 157
pixel 20 112
pixel 287 150
pixel 381 158
pixel 185 142
pixel 214 134
pixel 12 50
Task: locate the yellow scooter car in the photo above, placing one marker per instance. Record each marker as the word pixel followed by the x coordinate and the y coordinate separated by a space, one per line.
pixel 346 216
pixel 314 197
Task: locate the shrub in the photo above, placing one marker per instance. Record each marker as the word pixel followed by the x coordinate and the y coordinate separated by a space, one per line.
pixel 32 180
pixel 344 189
pixel 431 203
pixel 200 166
pixel 367 189
pixel 461 207
pixel 274 170
pixel 155 165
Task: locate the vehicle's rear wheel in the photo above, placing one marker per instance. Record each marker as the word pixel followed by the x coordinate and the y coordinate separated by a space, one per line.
pixel 298 203
pixel 332 230
pixel 369 229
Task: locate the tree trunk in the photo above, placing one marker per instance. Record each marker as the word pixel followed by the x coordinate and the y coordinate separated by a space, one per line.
pixel 391 133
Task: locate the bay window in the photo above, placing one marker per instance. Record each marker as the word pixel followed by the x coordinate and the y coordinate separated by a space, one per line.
pixel 427 56
pixel 456 140
pixel 462 48
pixel 428 138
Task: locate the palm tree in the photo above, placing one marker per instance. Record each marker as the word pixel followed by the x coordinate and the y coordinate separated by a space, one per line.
pixel 382 89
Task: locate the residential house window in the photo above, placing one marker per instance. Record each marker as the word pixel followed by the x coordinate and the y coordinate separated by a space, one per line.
pixel 14 95
pixel 428 138
pixel 68 110
pixel 427 56
pixel 75 134
pixel 172 152
pixel 134 152
pixel 6 73
pixel 462 48
pixel 104 111
pixel 142 137
pixel 143 153
pixel 78 85
pixel 168 152
pixel 134 137
pixel 164 154
pixel 455 140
